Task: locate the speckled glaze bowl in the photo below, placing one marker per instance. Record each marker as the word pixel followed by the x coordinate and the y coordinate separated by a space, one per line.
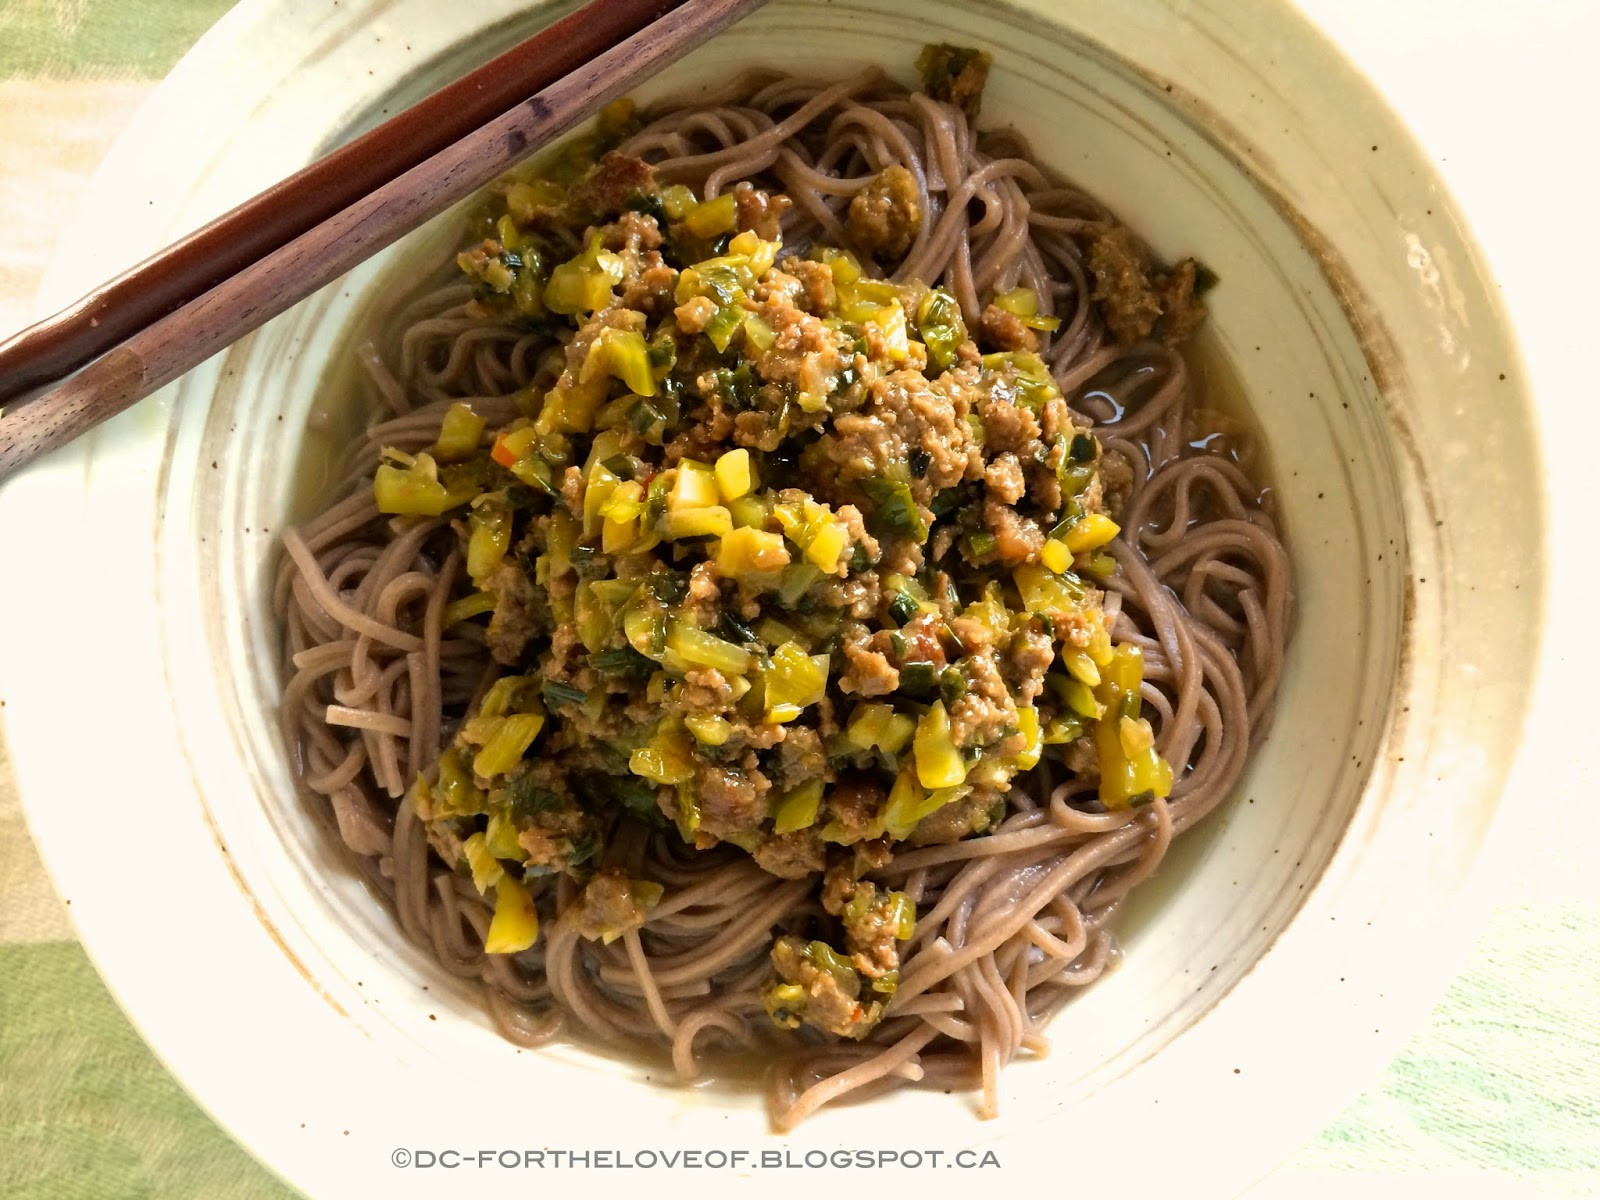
pixel 1287 944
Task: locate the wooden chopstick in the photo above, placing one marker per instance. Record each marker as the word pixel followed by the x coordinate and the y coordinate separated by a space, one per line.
pixel 158 352
pixel 58 345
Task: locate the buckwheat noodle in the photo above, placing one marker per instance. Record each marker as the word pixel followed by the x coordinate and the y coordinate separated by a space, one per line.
pixel 1010 925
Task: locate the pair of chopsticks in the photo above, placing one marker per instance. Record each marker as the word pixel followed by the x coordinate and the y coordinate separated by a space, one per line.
pixel 139 332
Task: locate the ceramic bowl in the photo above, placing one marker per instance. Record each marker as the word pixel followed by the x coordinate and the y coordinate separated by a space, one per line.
pixel 1285 945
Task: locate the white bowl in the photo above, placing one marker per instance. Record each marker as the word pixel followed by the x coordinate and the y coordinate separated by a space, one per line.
pixel 1288 942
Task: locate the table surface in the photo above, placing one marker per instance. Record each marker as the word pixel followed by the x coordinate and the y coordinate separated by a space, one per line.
pixel 1497 1095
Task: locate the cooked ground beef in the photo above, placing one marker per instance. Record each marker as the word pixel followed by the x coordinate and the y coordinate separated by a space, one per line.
pixel 1001 330
pixel 885 215
pixel 610 906
pixel 791 855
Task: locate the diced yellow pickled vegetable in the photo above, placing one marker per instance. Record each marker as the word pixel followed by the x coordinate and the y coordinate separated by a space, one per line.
pixel 1081 667
pixel 694 485
pixel 939 762
pixel 749 510
pixel 703 649
pixel 910 802
pixel 733 474
pixel 620 354
pixel 891 319
pixel 745 550
pixel 1020 302
pixel 1055 555
pixel 583 284
pixel 509 742
pixel 489 540
pixel 501 838
pixel 596 494
pixel 1080 700
pixel 646 628
pixel 712 521
pixel 712 217
pixel 417 490
pixel 709 729
pixel 879 727
pixel 510 694
pixel 798 808
pixel 845 266
pixel 1099 648
pixel 665 760
pixel 1094 531
pixel 459 433
pixel 1032 743
pixel 1043 591
pixel 793 681
pixel 774 632
pixel 515 924
pixel 762 254
pixel 486 869
pixel 758 335
pixel 827 545
pixel 677 200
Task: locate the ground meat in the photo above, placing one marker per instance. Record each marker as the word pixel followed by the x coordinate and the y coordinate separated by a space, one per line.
pixel 885 215
pixel 1043 487
pixel 1116 480
pixel 520 612
pixel 838 884
pixel 973 813
pixel 732 799
pixel 956 75
pixel 791 855
pixel 552 830
pixel 856 596
pixel 1181 311
pixel 1082 758
pixel 611 905
pixel 760 212
pixel 1002 330
pixel 981 717
pixel 1136 303
pixel 906 412
pixel 1018 539
pixel 652 291
pixel 1003 479
pixel 871 931
pixel 610 184
pixel 705 691
pixel 831 1001
pixel 1122 291
pixel 696 314
pixel 806 355
pixel 572 488
pixel 869 673
pixel 635 237
pixel 704 602
pixel 757 431
pixel 800 756
pixel 816 283
pixel 854 803
pixel 1007 426
pixel 446 842
pixel 1025 663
